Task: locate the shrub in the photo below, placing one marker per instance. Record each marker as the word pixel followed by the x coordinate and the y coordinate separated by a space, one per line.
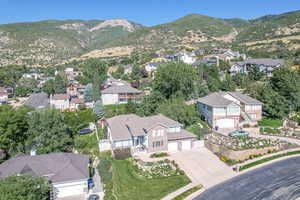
pixel 121 154
pixel 158 155
pixel 104 168
pixel 274 123
pixel 246 126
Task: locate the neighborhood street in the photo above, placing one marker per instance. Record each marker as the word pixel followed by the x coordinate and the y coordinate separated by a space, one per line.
pixel 277 181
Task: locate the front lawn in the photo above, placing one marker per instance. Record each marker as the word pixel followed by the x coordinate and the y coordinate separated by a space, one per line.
pixel 268 122
pixel 128 185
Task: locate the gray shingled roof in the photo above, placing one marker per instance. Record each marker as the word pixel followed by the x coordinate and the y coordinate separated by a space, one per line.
pixel 265 61
pixel 123 126
pixel 217 99
pixel 58 167
pixel 117 89
pixel 38 101
pixel 244 98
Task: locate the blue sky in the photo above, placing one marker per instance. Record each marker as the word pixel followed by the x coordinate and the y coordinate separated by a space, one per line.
pixel 147 12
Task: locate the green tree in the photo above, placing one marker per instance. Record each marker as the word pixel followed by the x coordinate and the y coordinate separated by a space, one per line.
pixel 275 105
pixel 13 127
pixel 92 67
pixel 228 84
pixel 178 110
pixel 60 83
pixel 176 77
pixel 150 103
pixel 224 65
pixel 24 188
pixel 136 73
pixel 99 109
pixel 287 83
pixel 130 107
pixel 47 132
pixel 255 73
pixel 25 86
pixel 119 72
pixel 49 87
pixel 88 93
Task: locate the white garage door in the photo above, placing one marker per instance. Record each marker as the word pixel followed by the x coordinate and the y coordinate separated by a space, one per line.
pixel 186 145
pixel 173 146
pixel 64 190
pixel 225 123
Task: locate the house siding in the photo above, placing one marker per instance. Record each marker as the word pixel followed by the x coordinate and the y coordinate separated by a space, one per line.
pixel 154 138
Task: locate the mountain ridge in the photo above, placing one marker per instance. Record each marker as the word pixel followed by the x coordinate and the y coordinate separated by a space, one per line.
pixel 51 42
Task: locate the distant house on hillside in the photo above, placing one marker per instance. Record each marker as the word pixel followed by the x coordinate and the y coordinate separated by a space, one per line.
pixel 152 67
pixel 119 94
pixel 266 65
pixel 186 57
pixel 60 101
pixel 38 101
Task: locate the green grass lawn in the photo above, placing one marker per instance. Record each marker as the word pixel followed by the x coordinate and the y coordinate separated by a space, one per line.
pixel 185 194
pixel 86 143
pixel 274 123
pixel 128 185
pixel 200 132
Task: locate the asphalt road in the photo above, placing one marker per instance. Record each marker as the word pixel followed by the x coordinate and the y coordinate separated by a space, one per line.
pixel 277 181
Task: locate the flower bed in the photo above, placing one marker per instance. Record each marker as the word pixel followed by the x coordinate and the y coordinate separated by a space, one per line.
pixel 158 155
pixel 258 162
pixel 163 168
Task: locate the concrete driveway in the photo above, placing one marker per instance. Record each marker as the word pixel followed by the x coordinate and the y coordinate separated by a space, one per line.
pixel 203 167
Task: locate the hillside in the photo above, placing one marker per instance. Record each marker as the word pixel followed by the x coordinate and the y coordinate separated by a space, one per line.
pixel 51 42
pixel 191 29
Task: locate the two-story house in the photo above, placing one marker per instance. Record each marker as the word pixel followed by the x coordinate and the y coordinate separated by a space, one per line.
pixel 119 94
pixel 60 101
pixel 148 134
pixel 266 65
pixel 230 109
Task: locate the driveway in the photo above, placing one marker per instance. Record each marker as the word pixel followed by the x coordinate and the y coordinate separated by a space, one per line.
pixel 203 167
pixel 277 181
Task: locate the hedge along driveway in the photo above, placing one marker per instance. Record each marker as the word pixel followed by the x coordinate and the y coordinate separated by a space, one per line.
pixel 128 185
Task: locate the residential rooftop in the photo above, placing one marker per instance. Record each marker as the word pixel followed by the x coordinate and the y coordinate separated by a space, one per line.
pixel 117 89
pixel 217 99
pixel 57 167
pixel 138 126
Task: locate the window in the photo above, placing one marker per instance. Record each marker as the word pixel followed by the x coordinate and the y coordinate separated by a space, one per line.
pixel 252 116
pixel 174 129
pixel 253 107
pixel 233 110
pixel 154 133
pixel 220 111
pixel 157 144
